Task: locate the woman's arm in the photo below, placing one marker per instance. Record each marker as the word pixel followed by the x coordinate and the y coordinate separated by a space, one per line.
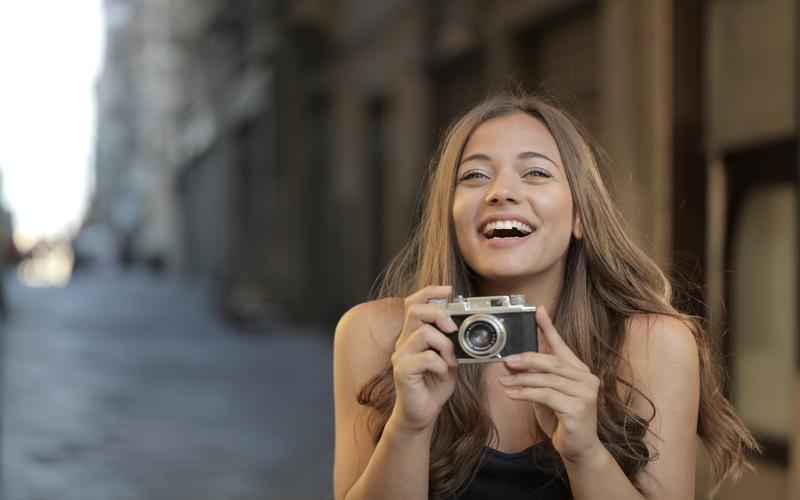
pixel 665 363
pixel 424 375
pixel 397 467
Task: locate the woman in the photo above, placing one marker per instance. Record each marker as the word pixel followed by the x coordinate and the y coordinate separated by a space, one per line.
pixel 610 406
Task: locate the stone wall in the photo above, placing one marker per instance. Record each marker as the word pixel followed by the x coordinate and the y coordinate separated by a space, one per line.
pixel 751 92
pixel 276 151
pixel 179 81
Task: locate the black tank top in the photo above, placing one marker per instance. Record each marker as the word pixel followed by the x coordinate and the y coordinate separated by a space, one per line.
pixel 527 475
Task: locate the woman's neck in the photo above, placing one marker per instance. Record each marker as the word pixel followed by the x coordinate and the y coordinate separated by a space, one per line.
pixel 540 290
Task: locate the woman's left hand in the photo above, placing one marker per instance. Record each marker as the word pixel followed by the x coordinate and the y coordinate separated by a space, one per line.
pixel 561 388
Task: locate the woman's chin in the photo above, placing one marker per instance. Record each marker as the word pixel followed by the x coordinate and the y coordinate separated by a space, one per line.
pixel 506 273
pixel 513 275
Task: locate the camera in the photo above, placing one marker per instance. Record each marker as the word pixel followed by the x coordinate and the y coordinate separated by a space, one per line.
pixel 490 328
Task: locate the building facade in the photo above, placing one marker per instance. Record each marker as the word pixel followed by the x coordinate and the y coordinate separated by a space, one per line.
pixel 693 103
pixel 275 152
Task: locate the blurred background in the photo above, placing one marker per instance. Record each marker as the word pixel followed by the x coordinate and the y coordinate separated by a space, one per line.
pixel 194 192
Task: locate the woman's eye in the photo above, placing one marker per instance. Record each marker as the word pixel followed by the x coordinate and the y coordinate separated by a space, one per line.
pixel 475 174
pixel 537 172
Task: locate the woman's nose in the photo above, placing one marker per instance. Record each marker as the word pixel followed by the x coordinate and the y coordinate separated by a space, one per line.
pixel 501 192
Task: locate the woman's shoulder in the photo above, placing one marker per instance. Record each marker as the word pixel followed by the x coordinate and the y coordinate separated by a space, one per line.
pixel 660 334
pixel 376 322
pixel 658 346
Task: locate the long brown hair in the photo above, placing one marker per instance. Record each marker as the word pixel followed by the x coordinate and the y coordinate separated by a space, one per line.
pixel 608 280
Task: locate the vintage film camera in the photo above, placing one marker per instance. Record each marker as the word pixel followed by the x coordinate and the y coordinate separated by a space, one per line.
pixel 490 328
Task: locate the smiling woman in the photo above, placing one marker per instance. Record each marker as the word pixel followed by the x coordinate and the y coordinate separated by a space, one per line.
pixel 512 171
pixel 620 377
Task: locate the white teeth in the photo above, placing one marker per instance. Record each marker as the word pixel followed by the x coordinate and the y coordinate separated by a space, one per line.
pixel 506 224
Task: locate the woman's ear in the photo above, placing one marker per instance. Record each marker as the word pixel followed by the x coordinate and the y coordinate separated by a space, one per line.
pixel 577 228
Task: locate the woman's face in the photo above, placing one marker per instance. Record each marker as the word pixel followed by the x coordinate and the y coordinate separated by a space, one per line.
pixel 512 208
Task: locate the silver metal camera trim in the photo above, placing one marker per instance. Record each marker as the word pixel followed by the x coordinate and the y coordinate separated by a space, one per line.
pixel 476 305
pixel 497 323
pixel 471 306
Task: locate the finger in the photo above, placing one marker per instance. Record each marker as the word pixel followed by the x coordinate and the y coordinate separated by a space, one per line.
pixel 541 362
pixel 423 295
pixel 427 337
pixel 554 340
pixel 421 362
pixel 433 314
pixel 556 401
pixel 541 338
pixel 561 384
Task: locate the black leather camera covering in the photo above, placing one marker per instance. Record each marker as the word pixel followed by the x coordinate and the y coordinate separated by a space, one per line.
pixel 522 335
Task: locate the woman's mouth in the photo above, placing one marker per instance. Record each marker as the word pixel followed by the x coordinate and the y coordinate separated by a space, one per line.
pixel 506 228
pixel 504 234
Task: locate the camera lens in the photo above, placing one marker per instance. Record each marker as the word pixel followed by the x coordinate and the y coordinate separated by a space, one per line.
pixel 481 336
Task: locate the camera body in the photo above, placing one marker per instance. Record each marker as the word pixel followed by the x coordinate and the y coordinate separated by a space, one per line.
pixel 491 328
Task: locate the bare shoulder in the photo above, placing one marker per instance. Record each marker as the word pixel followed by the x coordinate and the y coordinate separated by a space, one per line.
pixel 660 341
pixel 377 323
pixel 362 349
pixel 665 359
pixel 660 350
pixel 365 338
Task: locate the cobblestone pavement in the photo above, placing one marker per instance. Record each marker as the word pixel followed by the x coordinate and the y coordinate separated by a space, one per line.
pixel 123 387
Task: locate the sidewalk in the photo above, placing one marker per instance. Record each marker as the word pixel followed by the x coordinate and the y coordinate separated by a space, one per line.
pixel 123 387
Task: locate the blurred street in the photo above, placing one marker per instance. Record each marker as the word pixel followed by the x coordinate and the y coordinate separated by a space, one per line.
pixel 124 386
pixel 179 178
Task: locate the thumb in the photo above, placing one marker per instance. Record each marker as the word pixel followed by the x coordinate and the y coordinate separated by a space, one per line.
pixel 546 418
pixel 544 345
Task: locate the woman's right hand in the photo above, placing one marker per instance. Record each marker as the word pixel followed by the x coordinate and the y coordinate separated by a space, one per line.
pixel 424 363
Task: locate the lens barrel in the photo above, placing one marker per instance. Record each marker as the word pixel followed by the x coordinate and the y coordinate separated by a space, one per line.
pixel 482 336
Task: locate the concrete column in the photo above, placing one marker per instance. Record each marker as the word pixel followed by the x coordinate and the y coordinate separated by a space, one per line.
pixel 794 447
pixel 794 441
pixel 636 120
pixel 499 54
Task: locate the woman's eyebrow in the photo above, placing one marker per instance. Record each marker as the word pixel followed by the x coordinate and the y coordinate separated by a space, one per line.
pixel 533 154
pixel 476 156
pixel 525 155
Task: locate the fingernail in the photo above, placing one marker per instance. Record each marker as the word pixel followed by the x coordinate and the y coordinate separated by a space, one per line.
pixel 505 380
pixel 514 359
pixel 453 325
